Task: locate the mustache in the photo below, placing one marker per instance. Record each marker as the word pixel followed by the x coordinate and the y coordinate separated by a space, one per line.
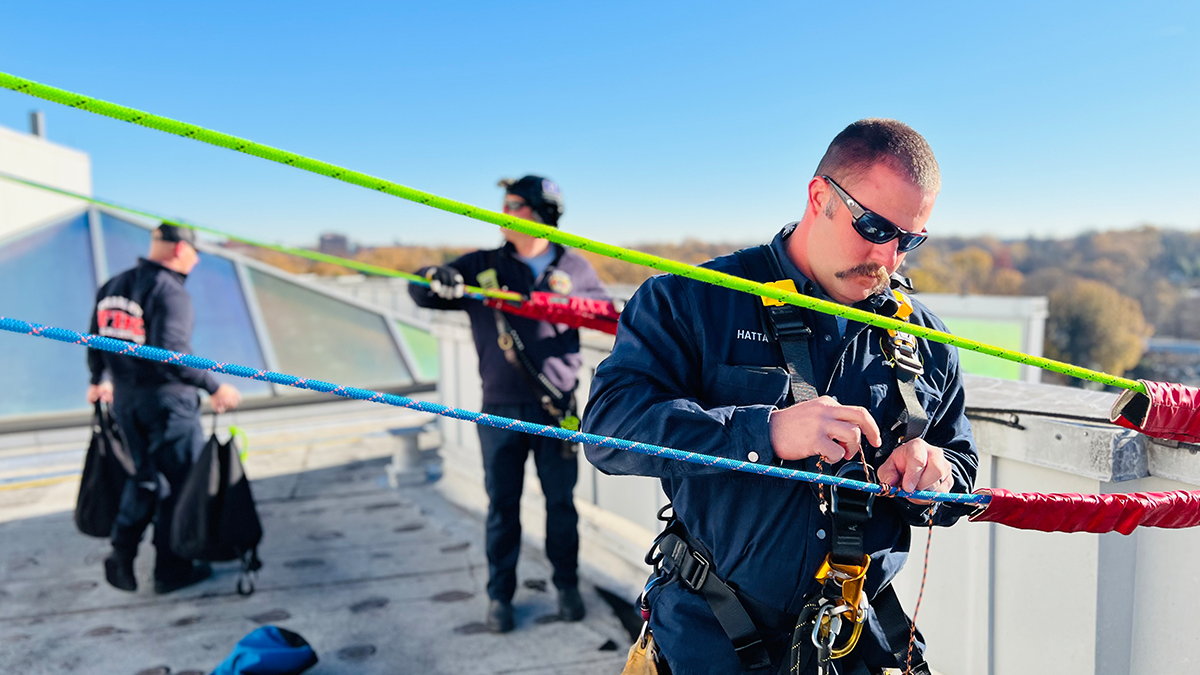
pixel 867 269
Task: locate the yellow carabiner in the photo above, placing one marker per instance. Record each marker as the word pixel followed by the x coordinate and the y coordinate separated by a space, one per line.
pixel 851 579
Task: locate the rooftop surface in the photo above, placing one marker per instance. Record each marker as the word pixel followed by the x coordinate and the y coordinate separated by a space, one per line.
pixel 378 579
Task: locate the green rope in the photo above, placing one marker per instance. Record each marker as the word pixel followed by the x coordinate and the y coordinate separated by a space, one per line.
pixel 358 265
pixel 555 235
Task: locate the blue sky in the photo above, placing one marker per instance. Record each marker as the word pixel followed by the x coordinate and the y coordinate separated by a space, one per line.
pixel 660 120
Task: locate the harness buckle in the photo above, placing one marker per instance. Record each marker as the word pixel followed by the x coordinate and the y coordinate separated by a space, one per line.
pixel 862 503
pixel 905 354
pixel 693 571
pixel 788 324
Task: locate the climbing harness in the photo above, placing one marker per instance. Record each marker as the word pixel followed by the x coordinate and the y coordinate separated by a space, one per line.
pixel 842 601
pixel 559 405
pixel 829 627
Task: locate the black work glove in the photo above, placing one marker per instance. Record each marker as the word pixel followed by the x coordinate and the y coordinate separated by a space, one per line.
pixel 445 282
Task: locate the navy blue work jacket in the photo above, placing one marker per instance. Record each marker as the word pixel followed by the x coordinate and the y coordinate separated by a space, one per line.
pixel 552 348
pixel 695 368
pixel 146 305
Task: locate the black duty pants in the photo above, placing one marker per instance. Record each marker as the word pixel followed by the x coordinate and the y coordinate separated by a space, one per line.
pixel 162 430
pixel 504 454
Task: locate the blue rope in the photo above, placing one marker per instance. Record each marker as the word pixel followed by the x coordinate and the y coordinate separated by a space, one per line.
pixel 123 348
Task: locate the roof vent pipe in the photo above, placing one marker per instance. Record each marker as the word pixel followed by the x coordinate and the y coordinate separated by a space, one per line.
pixel 37 123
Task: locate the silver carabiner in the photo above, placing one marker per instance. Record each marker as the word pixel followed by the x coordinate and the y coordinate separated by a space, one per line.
pixel 833 614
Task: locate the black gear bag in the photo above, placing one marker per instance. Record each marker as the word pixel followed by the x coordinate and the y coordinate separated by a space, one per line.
pixel 106 469
pixel 215 517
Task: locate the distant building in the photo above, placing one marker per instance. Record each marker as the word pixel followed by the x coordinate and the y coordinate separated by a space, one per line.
pixel 332 243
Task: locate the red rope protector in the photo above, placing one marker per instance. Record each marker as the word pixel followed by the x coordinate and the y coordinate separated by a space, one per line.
pixel 1091 513
pixel 1166 410
pixel 575 312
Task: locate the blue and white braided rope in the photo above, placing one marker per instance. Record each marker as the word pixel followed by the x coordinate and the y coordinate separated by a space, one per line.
pixel 165 356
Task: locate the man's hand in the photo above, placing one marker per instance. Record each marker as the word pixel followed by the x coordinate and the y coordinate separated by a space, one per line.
pixel 102 392
pixel 915 466
pixel 822 426
pixel 226 397
pixel 446 282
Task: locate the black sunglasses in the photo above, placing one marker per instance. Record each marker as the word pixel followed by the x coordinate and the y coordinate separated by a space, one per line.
pixel 514 205
pixel 874 227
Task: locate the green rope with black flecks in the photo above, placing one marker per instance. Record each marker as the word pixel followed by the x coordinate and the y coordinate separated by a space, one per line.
pixel 555 235
pixel 317 256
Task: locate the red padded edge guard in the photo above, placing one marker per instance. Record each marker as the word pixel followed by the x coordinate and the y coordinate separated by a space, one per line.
pixel 1174 411
pixel 1091 513
pixel 575 312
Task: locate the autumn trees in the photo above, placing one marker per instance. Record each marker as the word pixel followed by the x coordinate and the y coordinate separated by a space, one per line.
pixel 1108 291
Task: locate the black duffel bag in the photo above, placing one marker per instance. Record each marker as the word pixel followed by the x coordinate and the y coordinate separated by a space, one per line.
pixel 106 469
pixel 215 518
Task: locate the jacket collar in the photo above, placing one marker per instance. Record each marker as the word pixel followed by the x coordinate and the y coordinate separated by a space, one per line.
pixel 806 285
pixel 511 251
pixel 142 262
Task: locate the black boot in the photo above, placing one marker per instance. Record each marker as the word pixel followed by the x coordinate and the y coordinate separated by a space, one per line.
pixel 499 616
pixel 197 573
pixel 118 571
pixel 570 605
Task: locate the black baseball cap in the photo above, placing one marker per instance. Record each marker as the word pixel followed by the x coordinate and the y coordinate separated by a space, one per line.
pixel 540 193
pixel 167 232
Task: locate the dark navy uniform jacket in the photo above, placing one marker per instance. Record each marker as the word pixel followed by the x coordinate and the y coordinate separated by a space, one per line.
pixel 694 368
pixel 147 305
pixel 552 348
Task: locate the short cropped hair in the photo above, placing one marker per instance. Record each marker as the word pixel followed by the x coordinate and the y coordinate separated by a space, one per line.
pixel 868 142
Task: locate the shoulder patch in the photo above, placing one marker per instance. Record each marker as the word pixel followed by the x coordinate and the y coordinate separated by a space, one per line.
pixel 488 279
pixel 560 282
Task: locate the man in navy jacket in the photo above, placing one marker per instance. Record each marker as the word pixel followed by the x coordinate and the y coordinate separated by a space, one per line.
pixel 157 405
pixel 529 370
pixel 696 367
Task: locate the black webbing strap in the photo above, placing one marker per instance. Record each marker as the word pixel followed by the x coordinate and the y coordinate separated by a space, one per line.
pixel 557 403
pixel 915 417
pixel 896 629
pixel 849 511
pixel 901 348
pixel 696 574
pixel 787 324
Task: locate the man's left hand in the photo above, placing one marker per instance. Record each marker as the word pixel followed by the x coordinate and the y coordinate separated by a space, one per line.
pixel 916 466
pixel 102 392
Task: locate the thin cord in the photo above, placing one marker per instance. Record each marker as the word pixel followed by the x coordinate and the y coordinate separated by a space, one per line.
pixel 912 632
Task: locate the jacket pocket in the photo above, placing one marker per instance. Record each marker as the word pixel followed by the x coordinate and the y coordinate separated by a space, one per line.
pixel 749 385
